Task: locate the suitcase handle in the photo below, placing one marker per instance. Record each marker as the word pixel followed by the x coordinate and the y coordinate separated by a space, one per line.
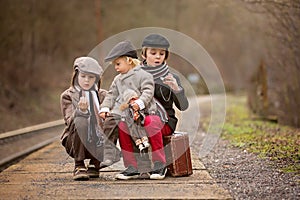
pixel 176 134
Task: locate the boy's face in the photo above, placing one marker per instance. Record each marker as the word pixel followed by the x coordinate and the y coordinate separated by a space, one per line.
pixel 86 80
pixel 122 65
pixel 155 56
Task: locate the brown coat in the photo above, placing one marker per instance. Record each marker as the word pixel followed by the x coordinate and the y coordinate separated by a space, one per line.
pixel 69 101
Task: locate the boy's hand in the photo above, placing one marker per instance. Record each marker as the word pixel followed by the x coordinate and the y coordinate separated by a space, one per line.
pixel 103 115
pixel 171 82
pixel 83 104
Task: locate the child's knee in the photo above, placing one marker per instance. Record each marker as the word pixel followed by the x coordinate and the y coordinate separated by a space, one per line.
pixel 81 123
pixel 123 128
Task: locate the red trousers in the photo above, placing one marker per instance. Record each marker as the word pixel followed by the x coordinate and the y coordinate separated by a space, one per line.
pixel 155 130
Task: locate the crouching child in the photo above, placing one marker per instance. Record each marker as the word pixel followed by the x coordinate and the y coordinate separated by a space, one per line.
pixel 82 136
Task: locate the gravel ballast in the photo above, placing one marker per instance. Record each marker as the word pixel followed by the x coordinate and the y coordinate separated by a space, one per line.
pixel 247 176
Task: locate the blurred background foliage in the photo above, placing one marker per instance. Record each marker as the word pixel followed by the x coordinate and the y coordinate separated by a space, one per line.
pixel 254 43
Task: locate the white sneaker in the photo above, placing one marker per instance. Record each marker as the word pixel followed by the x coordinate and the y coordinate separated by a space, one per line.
pixel 129 173
pixel 159 171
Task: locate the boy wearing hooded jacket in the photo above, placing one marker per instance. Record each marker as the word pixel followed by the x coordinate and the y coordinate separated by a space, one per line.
pixel 82 136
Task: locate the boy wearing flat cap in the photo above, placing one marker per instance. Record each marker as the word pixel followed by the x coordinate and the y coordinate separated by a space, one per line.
pixel 168 89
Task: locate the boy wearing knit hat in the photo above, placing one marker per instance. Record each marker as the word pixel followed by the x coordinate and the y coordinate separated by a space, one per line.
pixel 124 58
pixel 82 137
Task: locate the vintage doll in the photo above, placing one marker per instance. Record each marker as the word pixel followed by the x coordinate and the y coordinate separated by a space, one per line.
pixel 134 120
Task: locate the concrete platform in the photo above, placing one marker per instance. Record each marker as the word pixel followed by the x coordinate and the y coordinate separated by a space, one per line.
pixel 47 174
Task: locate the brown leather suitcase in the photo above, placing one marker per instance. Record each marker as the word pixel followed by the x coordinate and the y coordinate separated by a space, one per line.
pixel 178 154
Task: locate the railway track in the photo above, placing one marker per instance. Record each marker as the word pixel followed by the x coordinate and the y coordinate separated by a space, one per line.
pixel 14 145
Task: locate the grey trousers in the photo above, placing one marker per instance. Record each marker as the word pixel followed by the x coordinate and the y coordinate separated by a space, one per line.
pixel 111 134
pixel 77 145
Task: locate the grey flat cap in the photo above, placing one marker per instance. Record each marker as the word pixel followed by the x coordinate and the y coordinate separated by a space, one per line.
pixel 156 40
pixel 124 48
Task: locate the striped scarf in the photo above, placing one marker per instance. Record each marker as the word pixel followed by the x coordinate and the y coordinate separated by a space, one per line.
pixel 158 71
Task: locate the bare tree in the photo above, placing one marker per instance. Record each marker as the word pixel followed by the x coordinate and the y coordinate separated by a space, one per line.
pixel 283 62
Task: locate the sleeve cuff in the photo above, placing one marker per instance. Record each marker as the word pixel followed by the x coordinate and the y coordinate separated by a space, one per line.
pixel 85 112
pixel 78 112
pixel 104 109
pixel 178 91
pixel 140 103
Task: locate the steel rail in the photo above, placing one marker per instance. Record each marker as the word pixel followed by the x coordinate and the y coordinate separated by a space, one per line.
pixel 32 131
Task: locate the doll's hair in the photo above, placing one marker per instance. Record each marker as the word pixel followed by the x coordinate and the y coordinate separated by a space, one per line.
pixel 135 61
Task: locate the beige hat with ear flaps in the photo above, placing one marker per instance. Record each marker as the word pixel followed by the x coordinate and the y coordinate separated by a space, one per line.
pixel 88 65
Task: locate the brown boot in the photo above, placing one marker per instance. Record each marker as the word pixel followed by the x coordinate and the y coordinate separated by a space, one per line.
pixel 92 171
pixel 80 174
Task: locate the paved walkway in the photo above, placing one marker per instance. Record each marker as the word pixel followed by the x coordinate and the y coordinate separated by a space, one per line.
pixel 47 174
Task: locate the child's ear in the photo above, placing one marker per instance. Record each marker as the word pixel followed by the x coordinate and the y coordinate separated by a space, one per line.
pixel 144 57
pixel 144 53
pixel 129 60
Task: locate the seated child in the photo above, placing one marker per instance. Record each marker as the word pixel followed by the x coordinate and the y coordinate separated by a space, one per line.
pixel 124 59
